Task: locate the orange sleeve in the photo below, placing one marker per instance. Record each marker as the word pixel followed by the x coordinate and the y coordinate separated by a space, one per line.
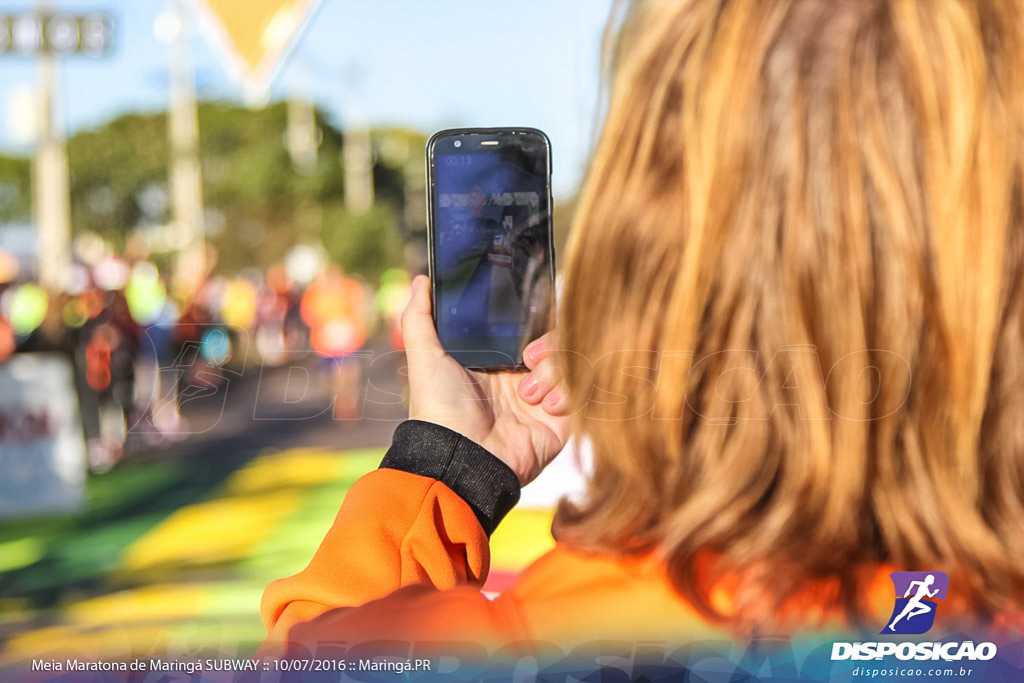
pixel 394 529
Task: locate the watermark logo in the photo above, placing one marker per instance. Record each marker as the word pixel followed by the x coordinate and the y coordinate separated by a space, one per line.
pixel 917 596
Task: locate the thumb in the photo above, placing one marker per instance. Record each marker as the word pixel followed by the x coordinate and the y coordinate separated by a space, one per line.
pixel 418 333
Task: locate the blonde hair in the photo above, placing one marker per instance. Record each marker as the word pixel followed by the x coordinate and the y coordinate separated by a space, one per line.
pixel 793 303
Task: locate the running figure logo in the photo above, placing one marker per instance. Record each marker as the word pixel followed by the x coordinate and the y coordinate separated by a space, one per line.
pixel 916 596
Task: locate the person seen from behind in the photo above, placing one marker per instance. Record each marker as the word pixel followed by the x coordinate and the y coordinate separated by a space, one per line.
pixel 792 332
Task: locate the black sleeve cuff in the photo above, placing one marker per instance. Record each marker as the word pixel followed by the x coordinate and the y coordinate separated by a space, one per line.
pixel 488 485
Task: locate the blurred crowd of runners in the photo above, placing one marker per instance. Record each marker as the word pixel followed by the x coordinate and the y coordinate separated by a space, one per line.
pixel 138 345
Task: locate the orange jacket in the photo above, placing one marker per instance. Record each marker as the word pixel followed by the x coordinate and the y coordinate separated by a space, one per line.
pixel 406 557
pixel 398 530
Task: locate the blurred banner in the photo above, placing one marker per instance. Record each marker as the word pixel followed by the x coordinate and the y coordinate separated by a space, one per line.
pixel 256 34
pixel 42 451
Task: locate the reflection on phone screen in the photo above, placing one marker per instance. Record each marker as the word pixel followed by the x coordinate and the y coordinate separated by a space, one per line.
pixel 491 250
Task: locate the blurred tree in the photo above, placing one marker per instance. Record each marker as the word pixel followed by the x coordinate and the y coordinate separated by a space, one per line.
pixel 400 154
pixel 15 190
pixel 364 244
pixel 257 203
pixel 119 176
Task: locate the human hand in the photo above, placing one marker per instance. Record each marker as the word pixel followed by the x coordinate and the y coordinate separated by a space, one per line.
pixel 519 417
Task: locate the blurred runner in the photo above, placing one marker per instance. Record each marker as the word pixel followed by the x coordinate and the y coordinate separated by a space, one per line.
pixel 271 309
pixel 7 342
pixel 391 299
pixel 156 381
pixel 333 307
pixel 106 352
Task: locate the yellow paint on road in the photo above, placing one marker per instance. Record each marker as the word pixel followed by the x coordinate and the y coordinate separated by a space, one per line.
pixel 522 537
pixel 210 533
pixel 300 467
pixel 161 601
pixel 192 571
pixel 228 528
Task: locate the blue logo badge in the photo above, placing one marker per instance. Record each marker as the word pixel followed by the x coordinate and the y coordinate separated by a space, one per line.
pixel 917 594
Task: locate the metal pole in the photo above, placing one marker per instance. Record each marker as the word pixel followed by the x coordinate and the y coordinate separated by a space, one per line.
pixel 51 185
pixel 358 151
pixel 186 179
pixel 301 134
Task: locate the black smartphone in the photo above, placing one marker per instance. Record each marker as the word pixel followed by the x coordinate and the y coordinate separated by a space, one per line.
pixel 491 257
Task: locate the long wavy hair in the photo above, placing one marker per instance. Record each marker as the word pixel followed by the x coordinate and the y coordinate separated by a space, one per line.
pixel 794 309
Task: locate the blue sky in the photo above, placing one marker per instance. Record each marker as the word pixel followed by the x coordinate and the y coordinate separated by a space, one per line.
pixel 425 64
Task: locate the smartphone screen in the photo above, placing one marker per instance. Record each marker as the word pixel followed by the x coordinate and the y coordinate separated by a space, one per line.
pixel 491 256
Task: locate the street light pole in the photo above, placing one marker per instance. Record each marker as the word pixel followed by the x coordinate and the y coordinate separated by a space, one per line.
pixel 51 185
pixel 186 179
pixel 357 154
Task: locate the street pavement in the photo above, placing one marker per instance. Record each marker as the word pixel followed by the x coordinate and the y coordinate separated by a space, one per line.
pixel 179 540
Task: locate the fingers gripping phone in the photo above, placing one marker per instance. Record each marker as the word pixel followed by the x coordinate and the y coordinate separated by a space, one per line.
pixel 491 257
